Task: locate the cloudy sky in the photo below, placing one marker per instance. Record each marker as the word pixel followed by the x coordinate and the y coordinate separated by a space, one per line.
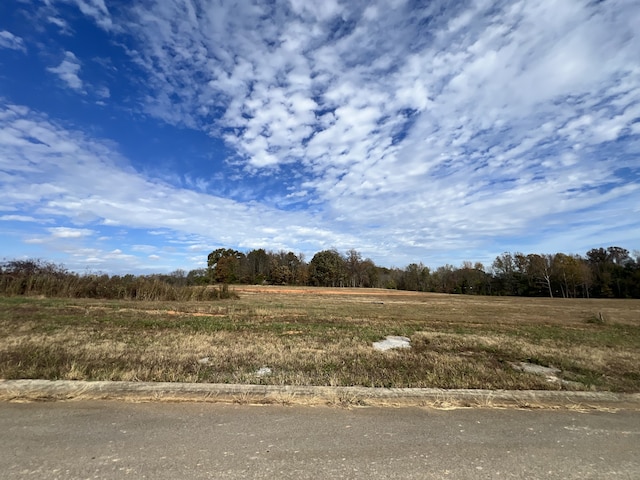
pixel 140 135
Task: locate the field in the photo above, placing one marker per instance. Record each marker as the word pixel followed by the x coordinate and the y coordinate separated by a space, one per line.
pixel 320 336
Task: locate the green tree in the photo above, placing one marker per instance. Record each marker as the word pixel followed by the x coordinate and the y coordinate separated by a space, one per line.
pixel 415 277
pixel 258 264
pixel 472 279
pixel 224 265
pixel 444 279
pixel 294 264
pixel 620 259
pixel 600 262
pixel 370 274
pixel 327 269
pixel 504 271
pixel 198 276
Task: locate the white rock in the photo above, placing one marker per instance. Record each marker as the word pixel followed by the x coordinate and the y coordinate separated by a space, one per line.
pixel 392 341
pixel 263 372
pixel 534 368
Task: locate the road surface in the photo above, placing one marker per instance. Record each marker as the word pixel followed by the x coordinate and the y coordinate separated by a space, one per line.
pixel 109 440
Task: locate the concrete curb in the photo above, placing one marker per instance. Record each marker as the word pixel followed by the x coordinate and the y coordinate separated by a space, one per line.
pixel 30 390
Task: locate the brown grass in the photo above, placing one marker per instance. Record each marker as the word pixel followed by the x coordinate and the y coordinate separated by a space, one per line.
pixel 317 336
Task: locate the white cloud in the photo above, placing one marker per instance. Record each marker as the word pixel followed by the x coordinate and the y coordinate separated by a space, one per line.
pixel 18 218
pixel 61 23
pixel 144 248
pixel 411 126
pixel 96 9
pixel 198 247
pixel 70 176
pixel 407 130
pixel 68 71
pixel 66 232
pixel 11 41
pixel 34 241
pixel 103 92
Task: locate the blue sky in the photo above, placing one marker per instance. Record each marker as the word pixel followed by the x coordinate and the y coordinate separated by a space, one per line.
pixel 137 136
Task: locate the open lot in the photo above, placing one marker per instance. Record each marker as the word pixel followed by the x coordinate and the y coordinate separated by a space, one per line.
pixel 320 336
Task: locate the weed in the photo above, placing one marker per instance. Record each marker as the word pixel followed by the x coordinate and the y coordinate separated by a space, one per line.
pixel 47 280
pixel 324 337
pixel 597 319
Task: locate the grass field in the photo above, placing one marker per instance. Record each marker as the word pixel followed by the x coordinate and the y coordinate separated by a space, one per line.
pixel 319 336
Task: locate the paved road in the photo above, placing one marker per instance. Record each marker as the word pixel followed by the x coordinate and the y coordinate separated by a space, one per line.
pixel 110 440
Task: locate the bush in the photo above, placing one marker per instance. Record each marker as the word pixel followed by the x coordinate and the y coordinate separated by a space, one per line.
pixel 37 277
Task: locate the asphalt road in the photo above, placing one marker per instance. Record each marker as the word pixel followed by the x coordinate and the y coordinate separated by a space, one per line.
pixel 109 440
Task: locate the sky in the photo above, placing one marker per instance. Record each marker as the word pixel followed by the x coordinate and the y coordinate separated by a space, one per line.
pixel 138 136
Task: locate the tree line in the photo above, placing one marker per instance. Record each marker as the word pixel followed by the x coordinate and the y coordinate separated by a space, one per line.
pixel 602 272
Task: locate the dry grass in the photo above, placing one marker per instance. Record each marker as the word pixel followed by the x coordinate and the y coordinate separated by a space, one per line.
pixel 309 336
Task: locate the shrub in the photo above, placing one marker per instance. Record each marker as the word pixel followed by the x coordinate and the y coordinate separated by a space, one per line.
pixel 37 277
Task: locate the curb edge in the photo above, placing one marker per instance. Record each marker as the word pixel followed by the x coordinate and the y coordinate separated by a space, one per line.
pixel 56 390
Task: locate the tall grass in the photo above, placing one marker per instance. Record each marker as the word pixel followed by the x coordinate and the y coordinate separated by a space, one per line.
pixel 38 278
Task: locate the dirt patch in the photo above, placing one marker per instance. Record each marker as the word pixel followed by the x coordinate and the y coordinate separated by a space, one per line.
pixel 172 312
pixel 194 314
pixel 254 289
